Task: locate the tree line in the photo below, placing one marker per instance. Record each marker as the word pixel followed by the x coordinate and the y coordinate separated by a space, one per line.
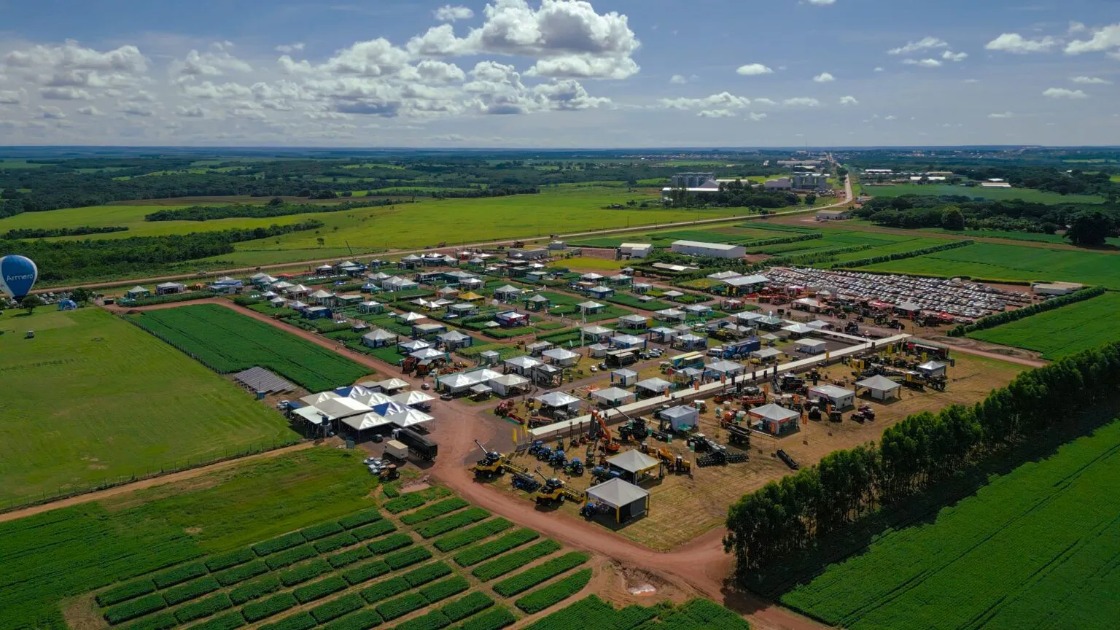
pixel 1006 317
pixel 873 260
pixel 80 230
pixel 924 449
pixel 276 207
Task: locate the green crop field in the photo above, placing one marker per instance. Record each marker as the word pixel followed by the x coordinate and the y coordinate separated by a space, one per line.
pixel 1026 194
pixel 55 555
pixel 1036 548
pixel 92 399
pixel 1063 331
pixel 993 261
pixel 229 342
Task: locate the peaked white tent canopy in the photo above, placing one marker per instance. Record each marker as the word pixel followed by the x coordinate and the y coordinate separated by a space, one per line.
pixel 409 417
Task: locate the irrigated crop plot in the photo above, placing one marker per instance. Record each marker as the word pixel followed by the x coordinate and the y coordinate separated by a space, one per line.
pixel 227 342
pixel 1063 331
pixel 1036 548
pixel 92 399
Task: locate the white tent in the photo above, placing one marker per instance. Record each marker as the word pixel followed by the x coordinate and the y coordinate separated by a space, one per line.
pixel 365 421
pixel 629 501
pixel 560 356
pixel 839 397
pixel 653 385
pixel 508 384
pixel 775 419
pixel 613 396
pixel 410 398
pixel 310 414
pixel 811 346
pixel 315 399
pixel 681 417
pixel 392 384
pixel 633 463
pixel 880 387
pixel 409 417
pixel 412 317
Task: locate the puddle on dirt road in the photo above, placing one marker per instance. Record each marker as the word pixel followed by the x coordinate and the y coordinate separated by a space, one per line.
pixel 642 589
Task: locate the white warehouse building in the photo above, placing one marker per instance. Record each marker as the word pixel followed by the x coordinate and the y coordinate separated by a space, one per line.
pixel 714 250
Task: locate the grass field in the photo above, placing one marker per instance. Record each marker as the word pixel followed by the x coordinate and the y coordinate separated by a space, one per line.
pixel 229 342
pixel 1063 331
pixel 1026 194
pixel 993 261
pixel 1035 548
pixel 63 553
pixel 91 399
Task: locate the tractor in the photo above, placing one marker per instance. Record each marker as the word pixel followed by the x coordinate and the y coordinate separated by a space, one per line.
pixel 864 413
pixel 574 467
pixel 490 465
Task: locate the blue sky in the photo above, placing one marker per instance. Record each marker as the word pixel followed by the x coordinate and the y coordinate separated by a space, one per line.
pixel 560 73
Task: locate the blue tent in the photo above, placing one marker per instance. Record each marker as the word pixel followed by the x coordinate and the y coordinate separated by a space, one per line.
pixel 67 305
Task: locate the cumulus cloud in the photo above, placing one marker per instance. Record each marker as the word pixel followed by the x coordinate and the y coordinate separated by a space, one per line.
pixel 213 63
pixel 51 112
pixel 821 3
pixel 949 55
pixel 73 65
pixel 68 93
pixel 925 43
pixel 1016 44
pixel 90 110
pixel 753 69
pixel 756 116
pixel 998 115
pixel 193 111
pixel 1064 93
pixel 801 101
pixel 448 13
pixel 1090 80
pixel 1103 39
pixel 878 68
pixel 678 79
pixel 12 97
pixel 716 113
pixel 925 63
pixel 824 77
pixel 137 109
pixel 723 100
pixel 848 100
pixel 289 48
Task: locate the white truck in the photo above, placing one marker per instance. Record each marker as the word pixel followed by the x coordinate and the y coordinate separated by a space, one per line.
pixel 396 450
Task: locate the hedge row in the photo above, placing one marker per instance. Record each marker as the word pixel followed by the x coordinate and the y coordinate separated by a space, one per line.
pixel 255 589
pixel 390 543
pixel 510 562
pixel 439 591
pixel 357 519
pixel 456 540
pixel 319 589
pixel 266 608
pixel 118 594
pixel 455 521
pixel 466 606
pixel 241 573
pixel 365 572
pixel 179 574
pixel 528 579
pixel 204 607
pixel 191 590
pixel 135 608
pixel 434 510
pixel 290 557
pixel 225 622
pixel 373 530
pixel 488 550
pixel 1006 317
pixel 322 530
pixel 426 573
pixel 495 619
pixel 361 620
pixel 305 572
pixel 863 262
pixel 407 557
pixel 280 543
pixel 231 559
pixel 347 558
pixel 339 541
pixel 404 502
pixel 384 590
pixel 554 593
pixel 337 608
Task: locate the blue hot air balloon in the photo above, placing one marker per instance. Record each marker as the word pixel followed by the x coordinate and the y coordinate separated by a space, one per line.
pixel 17 275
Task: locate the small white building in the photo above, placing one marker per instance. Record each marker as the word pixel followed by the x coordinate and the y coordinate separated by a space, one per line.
pixel 635 250
pixel 811 346
pixel 838 397
pixel 712 250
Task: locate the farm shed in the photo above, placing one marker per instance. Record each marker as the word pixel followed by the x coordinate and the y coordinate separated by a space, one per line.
pixel 259 379
pixel 662 334
pixel 427 331
pixel 681 417
pixel 711 250
pixel 633 465
pixel 600 292
pixel 627 500
pixel 316 312
pixel 612 397
pixel 879 387
pixel 168 288
pixel 378 338
pixel 641 287
pixel 624 377
pixel 489 357
pixel 635 250
pixel 775 420
pixel 556 404
pixel 838 397
pixel 620 279
pixel 653 387
pixel 538 303
pixel 370 307
pixel 462 309
pixel 811 346
pixel 561 357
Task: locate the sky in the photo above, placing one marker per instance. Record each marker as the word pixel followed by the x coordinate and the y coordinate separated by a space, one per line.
pixel 559 73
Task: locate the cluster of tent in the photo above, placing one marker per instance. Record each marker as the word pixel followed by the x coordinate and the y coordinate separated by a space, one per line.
pixel 362 408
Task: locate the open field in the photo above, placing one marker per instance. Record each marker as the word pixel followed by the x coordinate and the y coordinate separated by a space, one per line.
pixel 695 614
pixel 1034 548
pixel 1063 331
pixel 229 342
pixel 92 399
pixel 998 262
pixel 1026 194
pixel 60 554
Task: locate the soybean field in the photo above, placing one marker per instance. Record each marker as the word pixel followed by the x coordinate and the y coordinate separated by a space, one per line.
pixel 1063 331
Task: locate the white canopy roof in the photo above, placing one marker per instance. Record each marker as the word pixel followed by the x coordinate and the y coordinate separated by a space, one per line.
pixel 799 329
pixel 612 394
pixel 409 417
pixel 811 343
pixel 315 399
pixel 412 317
pixel 654 384
pixel 559 354
pixel 523 362
pixel 589 305
pixel 458 380
pixel 366 421
pixel 373 399
pixel 379 334
pixel 831 391
pixel 766 353
pixel 342 407
pixel 392 383
pixel 632 461
pixel 725 366
pixel 597 330
pixel 412 398
pixel 510 380
pixel 453 336
pixel 556 399
pixel 617 493
pixel 414 345
pixel 310 414
pixel 878 383
pixel 774 412
pixel 426 353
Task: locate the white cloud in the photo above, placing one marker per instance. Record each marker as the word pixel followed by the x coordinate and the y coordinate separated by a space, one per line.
pixel 12 97
pixel 136 109
pixel 949 55
pixel 568 95
pixel 1084 80
pixel 289 48
pixel 213 63
pixel 584 67
pixel 210 91
pixel 1103 39
pixel 878 68
pixel 821 3
pixel 90 110
pixel 193 111
pixel 925 43
pixel 65 94
pixel 1018 45
pixel 925 63
pixel 801 101
pixel 716 113
pixel 849 100
pixel 764 101
pixel 678 79
pixel 51 112
pixel 723 100
pixel 448 13
pixel 890 117
pixel 824 77
pixel 756 116
pixel 1064 93
pixel 753 69
pixel 73 65
pixel 1001 115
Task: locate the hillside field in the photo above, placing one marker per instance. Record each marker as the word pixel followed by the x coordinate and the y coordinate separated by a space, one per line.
pixel 1063 331
pixel 92 399
pixel 1035 548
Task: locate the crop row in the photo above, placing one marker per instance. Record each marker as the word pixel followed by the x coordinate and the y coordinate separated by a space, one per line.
pixel 454 521
pixel 554 593
pixel 528 579
pixel 477 554
pixel 516 560
pixel 463 538
pixel 436 509
pixel 493 619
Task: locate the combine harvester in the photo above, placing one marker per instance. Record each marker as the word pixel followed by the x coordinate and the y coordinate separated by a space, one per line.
pixel 554 492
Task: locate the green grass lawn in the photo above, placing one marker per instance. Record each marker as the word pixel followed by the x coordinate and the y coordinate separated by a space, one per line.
pixel 67 552
pixel 1063 331
pixel 1026 194
pixel 1036 548
pixel 992 261
pixel 92 399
